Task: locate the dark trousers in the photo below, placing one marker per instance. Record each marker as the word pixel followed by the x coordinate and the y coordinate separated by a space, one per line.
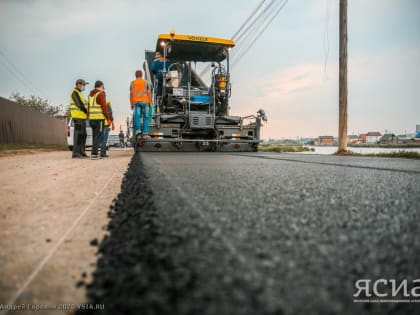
pixel 79 137
pixel 104 140
pixel 97 130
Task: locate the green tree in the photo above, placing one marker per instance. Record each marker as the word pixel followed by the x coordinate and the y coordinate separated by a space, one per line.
pixel 39 104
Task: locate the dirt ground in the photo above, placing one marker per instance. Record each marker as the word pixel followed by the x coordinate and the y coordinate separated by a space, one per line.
pixel 51 207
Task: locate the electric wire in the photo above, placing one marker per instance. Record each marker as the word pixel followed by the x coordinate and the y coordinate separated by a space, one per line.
pixel 240 31
pixel 252 29
pixel 248 19
pixel 258 18
pixel 19 75
pixel 245 49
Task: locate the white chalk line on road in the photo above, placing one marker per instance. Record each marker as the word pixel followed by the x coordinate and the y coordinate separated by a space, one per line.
pixel 45 260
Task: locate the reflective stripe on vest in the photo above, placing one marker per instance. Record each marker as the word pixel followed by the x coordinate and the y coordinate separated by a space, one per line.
pixel 95 109
pixel 139 91
pixel 75 111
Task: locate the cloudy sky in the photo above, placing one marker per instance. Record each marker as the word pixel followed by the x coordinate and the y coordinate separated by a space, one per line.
pixel 291 71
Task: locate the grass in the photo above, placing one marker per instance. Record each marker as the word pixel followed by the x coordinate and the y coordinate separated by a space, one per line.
pixel 280 148
pixel 378 145
pixel 283 148
pixel 398 154
pixel 31 146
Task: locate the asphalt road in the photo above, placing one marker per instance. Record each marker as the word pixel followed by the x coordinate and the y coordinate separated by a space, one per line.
pixel 260 233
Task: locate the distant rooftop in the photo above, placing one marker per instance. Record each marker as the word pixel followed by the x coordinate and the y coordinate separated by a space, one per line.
pixel 374 134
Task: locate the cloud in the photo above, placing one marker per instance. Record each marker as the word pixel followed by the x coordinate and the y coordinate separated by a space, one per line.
pixel 297 100
pixel 300 102
pixel 383 90
pixel 54 42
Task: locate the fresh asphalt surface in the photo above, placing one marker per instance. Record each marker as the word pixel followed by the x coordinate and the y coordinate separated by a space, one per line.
pixel 258 233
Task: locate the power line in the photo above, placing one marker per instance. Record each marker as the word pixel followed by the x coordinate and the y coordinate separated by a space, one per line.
pixel 254 28
pixel 258 18
pixel 248 19
pixel 240 31
pixel 19 75
pixel 279 7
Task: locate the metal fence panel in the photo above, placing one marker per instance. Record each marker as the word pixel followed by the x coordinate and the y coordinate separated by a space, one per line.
pixel 21 124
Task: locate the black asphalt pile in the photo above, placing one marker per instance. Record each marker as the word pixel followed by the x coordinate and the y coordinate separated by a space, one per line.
pixel 167 261
pixel 234 234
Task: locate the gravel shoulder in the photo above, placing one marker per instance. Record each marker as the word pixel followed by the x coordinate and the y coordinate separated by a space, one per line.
pixel 51 207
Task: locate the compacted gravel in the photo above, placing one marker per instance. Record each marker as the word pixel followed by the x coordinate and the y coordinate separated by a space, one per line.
pixel 237 234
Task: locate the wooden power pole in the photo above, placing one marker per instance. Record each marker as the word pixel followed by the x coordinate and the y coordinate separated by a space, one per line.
pixel 342 124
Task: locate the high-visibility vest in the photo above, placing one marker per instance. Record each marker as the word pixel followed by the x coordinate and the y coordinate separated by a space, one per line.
pixel 139 91
pixel 109 111
pixel 75 111
pixel 95 109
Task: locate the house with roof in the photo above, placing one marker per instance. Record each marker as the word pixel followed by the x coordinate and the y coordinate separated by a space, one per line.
pixel 325 140
pixel 307 141
pixel 362 137
pixel 373 137
pixel 388 138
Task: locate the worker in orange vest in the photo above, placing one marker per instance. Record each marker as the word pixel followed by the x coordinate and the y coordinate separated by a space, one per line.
pixel 140 100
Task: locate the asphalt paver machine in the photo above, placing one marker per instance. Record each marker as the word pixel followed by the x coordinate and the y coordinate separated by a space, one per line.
pixel 187 113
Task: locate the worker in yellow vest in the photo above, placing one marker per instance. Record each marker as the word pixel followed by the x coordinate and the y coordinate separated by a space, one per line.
pixel 105 134
pixel 97 113
pixel 140 100
pixel 78 113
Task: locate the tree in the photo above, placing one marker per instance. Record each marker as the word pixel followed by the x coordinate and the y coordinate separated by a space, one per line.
pixel 39 104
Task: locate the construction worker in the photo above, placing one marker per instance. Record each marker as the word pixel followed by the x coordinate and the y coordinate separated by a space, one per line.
pixel 78 112
pixel 159 65
pixel 97 113
pixel 140 99
pixel 121 137
pixel 105 134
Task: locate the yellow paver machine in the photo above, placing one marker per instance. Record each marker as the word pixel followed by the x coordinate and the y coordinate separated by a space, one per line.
pixel 187 113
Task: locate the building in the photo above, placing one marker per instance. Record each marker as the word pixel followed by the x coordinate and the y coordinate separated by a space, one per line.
pixel 353 139
pixel 325 140
pixel 405 138
pixel 307 141
pixel 388 138
pixel 417 136
pixel 373 137
pixel 362 137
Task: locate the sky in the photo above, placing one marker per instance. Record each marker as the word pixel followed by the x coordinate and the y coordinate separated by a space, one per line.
pixel 291 71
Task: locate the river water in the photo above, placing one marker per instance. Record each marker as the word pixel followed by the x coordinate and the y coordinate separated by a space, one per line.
pixel 332 150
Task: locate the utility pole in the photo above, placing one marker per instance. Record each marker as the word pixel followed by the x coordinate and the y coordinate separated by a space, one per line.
pixel 342 124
